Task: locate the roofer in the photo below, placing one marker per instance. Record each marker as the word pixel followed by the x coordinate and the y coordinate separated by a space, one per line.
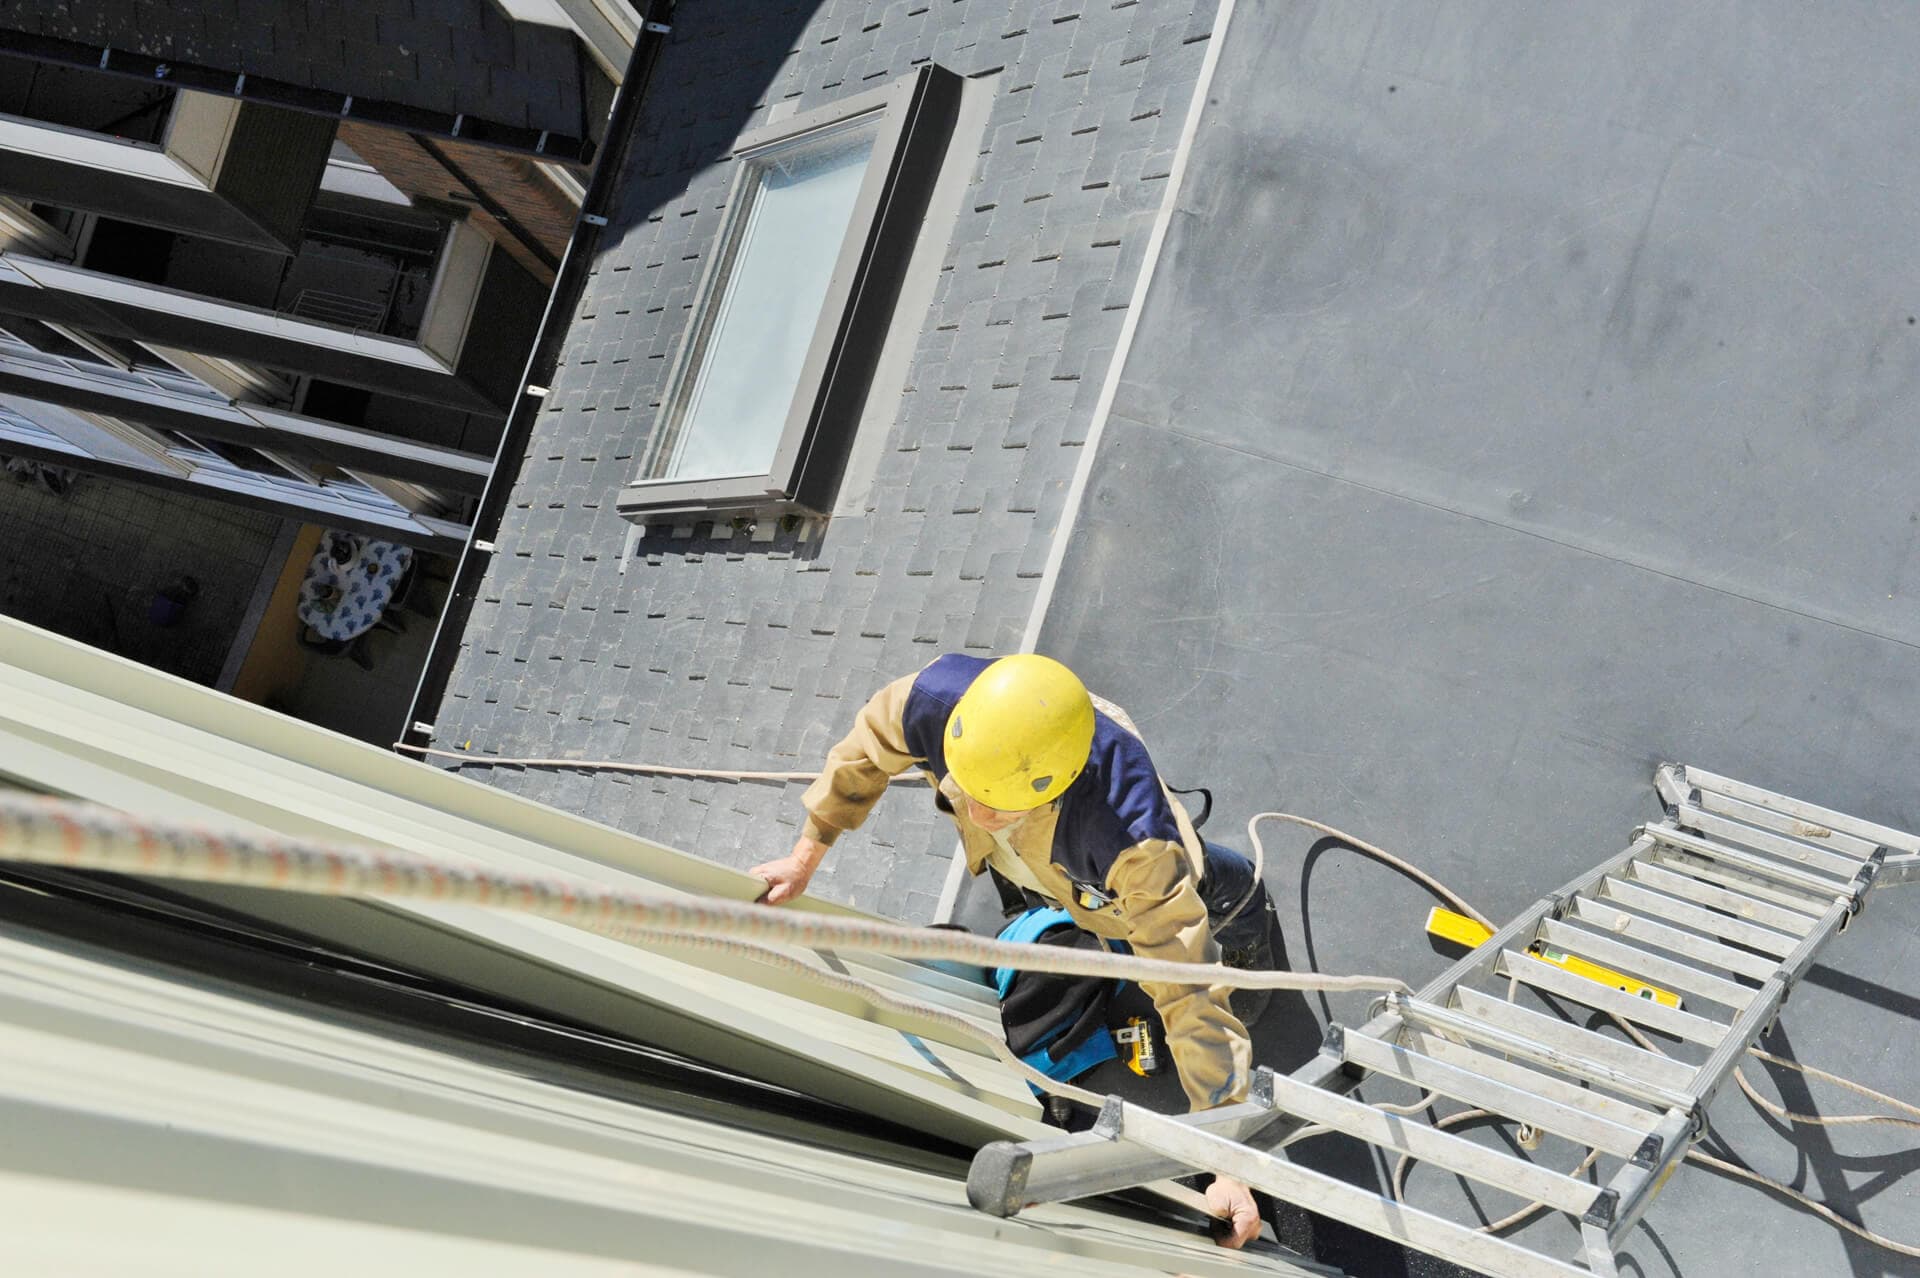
pixel 1057 796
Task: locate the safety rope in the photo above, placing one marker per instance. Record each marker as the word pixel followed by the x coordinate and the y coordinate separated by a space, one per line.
pixel 1386 858
pixel 87 836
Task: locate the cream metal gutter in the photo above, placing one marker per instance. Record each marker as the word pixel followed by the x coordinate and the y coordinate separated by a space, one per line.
pixel 79 722
pixel 160 1125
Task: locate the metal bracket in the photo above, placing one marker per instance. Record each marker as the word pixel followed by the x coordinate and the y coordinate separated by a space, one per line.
pixel 1601 1214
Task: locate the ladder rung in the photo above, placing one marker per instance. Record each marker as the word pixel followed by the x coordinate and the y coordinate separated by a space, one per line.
pixel 1361 1208
pixel 1811 812
pixel 1713 923
pixel 1818 835
pixel 1727 875
pixel 1662 1071
pixel 1752 909
pixel 1430 1145
pixel 1558 1057
pixel 1820 886
pixel 1840 868
pixel 1685 944
pixel 1642 1011
pixel 1553 1087
pixel 1486 1091
pixel 1658 969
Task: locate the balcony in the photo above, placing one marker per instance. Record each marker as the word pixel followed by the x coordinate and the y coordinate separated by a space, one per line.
pixel 388 299
pixel 166 400
pixel 241 172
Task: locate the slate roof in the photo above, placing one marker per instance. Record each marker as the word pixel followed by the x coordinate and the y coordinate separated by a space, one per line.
pixel 718 650
pixel 437 55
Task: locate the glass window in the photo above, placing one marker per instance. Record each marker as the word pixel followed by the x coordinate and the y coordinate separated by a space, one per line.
pixel 769 384
pixel 37 343
pixel 22 429
pixel 799 199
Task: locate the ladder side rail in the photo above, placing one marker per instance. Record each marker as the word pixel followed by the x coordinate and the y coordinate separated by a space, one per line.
pixel 1560 1057
pixel 1648 966
pixel 1886 835
pixel 1324 1194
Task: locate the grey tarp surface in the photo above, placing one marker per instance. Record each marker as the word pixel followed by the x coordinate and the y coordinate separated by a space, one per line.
pixel 1526 395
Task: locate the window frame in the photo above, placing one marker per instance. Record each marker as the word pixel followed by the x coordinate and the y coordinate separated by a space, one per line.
pixel 915 119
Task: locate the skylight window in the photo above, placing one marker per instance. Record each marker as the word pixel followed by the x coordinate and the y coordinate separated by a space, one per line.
pixel 761 404
pixel 799 198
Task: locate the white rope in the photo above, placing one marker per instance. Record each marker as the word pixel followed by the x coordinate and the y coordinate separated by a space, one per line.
pixel 1385 858
pixel 89 837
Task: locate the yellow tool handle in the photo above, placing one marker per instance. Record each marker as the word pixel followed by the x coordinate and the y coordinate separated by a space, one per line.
pixel 1462 930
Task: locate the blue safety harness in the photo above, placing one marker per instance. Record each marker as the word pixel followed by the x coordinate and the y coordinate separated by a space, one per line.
pixel 1068 1048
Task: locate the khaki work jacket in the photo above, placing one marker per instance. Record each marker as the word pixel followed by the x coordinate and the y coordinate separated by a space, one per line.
pixel 1153 902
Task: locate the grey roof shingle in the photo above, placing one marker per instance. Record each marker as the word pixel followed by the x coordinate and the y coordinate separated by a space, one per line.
pixel 717 649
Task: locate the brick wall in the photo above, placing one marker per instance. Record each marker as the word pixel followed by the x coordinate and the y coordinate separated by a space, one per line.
pixel 452 171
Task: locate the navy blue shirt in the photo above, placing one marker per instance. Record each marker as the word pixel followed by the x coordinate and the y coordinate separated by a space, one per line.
pixel 1115 803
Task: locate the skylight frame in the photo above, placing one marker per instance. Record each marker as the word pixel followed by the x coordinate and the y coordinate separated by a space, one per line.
pixel 913 120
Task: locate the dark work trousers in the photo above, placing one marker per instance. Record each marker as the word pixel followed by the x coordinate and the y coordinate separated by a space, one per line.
pixel 1226 883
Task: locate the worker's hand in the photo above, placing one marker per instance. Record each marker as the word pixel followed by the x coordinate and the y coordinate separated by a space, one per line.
pixel 788 877
pixel 1232 1202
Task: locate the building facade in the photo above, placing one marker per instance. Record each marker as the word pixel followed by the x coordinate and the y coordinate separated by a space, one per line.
pixel 814 413
pixel 292 258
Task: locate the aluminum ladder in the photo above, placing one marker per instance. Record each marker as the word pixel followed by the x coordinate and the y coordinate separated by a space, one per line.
pixel 1726 903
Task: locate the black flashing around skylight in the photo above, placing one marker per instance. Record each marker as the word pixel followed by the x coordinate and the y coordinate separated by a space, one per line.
pixel 917 118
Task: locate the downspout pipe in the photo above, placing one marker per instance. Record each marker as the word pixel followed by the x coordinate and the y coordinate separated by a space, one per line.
pixel 575 265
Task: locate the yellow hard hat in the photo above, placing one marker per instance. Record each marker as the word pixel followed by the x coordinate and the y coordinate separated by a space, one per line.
pixel 1020 733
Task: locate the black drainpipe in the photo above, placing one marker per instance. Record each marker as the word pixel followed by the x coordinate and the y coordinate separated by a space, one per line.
pixel 574 266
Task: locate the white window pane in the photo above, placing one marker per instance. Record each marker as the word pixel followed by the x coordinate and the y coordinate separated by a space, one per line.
pixel 751 361
pixel 22 429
